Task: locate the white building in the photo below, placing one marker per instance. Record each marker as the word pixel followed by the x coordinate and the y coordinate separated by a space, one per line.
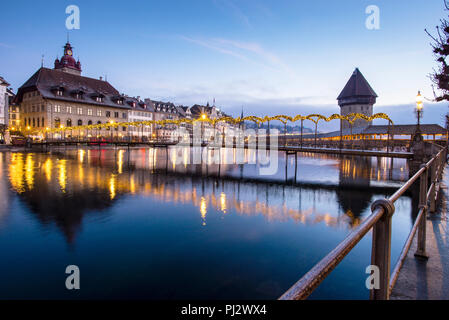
pixel 4 105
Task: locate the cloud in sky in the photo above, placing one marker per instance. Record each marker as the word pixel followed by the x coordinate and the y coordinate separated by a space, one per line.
pixel 245 51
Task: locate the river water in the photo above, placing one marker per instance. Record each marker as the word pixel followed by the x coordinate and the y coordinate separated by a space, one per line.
pixel 146 224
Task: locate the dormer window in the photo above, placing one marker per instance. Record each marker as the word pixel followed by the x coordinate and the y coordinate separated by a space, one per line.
pixel 99 99
pixel 59 92
pixel 119 101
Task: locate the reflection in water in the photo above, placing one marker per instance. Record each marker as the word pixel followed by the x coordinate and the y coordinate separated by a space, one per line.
pixel 88 180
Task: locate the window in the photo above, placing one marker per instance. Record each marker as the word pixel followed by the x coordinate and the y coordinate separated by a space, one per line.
pixel 34 123
pixel 108 114
pixel 69 122
pixel 69 109
pixel 42 108
pixel 99 99
pixel 80 122
pixel 38 124
pixel 116 114
pixel 43 122
pixel 57 123
pixel 59 92
pixel 89 112
pixel 32 109
pixel 119 101
pixel 99 113
pixel 89 122
pixel 80 110
pixel 124 115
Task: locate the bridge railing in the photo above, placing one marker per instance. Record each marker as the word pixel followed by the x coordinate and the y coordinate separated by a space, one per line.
pixel 380 221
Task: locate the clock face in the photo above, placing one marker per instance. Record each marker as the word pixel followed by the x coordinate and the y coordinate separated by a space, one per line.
pixel 69 52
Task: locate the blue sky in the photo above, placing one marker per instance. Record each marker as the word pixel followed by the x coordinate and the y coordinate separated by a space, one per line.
pixel 269 56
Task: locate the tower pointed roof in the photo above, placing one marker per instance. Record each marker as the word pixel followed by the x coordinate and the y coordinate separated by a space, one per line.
pixel 357 88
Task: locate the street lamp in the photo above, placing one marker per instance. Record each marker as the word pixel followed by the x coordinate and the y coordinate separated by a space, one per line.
pixel 419 113
pixel 419 107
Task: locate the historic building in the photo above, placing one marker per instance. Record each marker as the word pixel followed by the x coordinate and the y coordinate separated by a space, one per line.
pixel 211 112
pixel 165 111
pixel 14 113
pixel 140 111
pixel 4 102
pixel 357 97
pixel 62 97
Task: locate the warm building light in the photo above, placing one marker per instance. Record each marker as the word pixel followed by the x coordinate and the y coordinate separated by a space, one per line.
pixel 203 116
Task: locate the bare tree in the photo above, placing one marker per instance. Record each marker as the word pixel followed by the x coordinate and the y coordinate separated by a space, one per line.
pixel 440 45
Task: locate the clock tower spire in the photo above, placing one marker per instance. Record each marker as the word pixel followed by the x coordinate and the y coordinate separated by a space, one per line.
pixel 67 62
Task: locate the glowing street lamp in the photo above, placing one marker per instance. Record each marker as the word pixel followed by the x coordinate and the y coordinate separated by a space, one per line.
pixel 419 107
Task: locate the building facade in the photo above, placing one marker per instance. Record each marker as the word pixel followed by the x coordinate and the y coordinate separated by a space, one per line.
pixel 356 97
pixel 4 102
pixel 61 97
pixel 140 111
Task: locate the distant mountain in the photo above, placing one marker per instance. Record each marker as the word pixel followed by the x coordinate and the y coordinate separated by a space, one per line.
pixel 281 128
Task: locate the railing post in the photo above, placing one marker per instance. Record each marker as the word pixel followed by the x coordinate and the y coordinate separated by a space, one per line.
pixel 421 246
pixel 381 248
pixel 433 179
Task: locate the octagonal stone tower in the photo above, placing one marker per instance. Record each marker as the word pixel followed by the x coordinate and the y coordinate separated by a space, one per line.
pixel 357 97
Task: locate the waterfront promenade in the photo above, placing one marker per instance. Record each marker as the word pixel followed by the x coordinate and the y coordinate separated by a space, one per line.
pixel 428 280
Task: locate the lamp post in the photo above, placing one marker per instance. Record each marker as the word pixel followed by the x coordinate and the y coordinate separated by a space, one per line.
pixel 419 113
pixel 419 107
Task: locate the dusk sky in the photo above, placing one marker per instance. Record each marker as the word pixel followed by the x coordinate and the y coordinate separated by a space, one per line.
pixel 271 57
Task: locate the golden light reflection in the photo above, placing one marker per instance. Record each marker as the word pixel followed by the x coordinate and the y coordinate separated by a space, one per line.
pixel 62 177
pixel 203 210
pixel 120 160
pixel 81 154
pixel 16 172
pixel 112 186
pixel 48 164
pixel 132 185
pixel 223 202
pixel 29 171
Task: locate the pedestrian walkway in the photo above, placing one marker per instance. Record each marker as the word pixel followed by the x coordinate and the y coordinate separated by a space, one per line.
pixel 428 280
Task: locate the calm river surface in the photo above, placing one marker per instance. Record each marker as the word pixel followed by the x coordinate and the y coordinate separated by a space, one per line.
pixel 139 226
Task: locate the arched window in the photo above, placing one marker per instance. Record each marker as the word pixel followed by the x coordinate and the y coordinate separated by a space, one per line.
pixel 43 122
pixel 57 123
pixel 89 122
pixel 34 122
pixel 38 122
pixel 99 122
pixel 80 122
pixel 69 122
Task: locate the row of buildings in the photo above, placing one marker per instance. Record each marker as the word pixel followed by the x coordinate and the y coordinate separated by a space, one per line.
pixel 62 97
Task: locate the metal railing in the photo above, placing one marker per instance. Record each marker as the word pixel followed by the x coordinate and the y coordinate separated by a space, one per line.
pixel 380 221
